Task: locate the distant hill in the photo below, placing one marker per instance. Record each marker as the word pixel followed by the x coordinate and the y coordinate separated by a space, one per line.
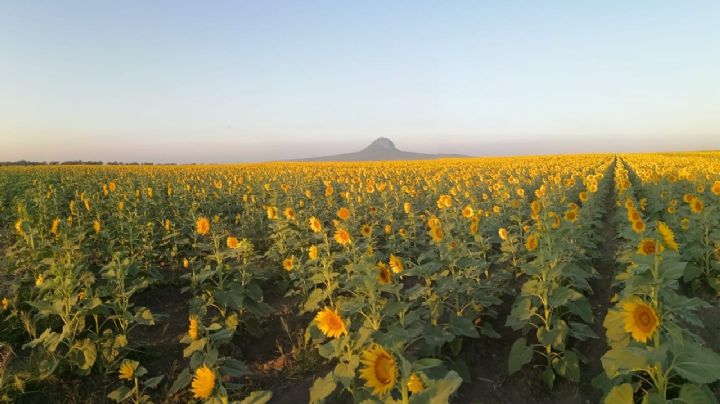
pixel 381 149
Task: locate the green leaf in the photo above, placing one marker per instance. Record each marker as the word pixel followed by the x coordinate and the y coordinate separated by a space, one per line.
pixel 257 397
pixel 233 367
pixel 120 394
pixel 313 301
pixel 698 364
pixel 520 314
pixel 439 391
pixel 622 394
pixel 152 382
pixel 196 345
pixel 618 361
pixel 322 388
pixel 463 326
pixel 520 355
pixel 426 363
pixel 567 366
pixel 345 371
pixel 692 394
pixel 181 382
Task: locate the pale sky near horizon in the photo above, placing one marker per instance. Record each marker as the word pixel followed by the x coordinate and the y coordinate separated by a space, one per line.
pixel 223 81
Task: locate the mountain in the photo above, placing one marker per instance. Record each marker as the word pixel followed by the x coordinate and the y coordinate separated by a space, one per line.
pixel 381 149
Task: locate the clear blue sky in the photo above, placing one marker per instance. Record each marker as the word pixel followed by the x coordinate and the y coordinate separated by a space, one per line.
pixel 257 80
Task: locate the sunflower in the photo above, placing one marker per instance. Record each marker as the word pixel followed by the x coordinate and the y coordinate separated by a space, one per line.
pixel 5 303
pixel 667 235
pixel 380 370
pixel 433 222
pixel 203 383
pixel 437 234
pixel 202 226
pixel 97 226
pixel 715 188
pixel 531 243
pixel 384 277
pixel 697 205
pixel 330 323
pixel 342 236
pixel 407 207
pixel 396 264
pixel 343 213
pixel 193 327
pixel 687 198
pixel 366 230
pixel 288 263
pixel 55 226
pixel 640 319
pixel 571 215
pixel 649 246
pixel 272 212
pixel 638 226
pixel 583 196
pixel 315 225
pixel 232 242
pixel 127 369
pixel 467 212
pixel 414 384
pixel 289 213
pixel 388 229
pixel 185 263
pixel 503 233
pixel 39 281
pixel 535 207
pixel 313 252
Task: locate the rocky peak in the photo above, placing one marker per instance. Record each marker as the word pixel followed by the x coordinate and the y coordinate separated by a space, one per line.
pixel 382 143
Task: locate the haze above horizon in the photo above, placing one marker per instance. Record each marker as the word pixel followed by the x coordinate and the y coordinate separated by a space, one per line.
pixel 253 81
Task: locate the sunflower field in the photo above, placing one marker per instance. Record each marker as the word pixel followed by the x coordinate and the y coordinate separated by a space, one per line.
pixel 587 278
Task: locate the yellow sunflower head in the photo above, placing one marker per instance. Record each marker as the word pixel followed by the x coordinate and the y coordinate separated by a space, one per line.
pixel 467 212
pixel 315 225
pixel 648 246
pixel 396 264
pixel 193 327
pixel 232 242
pixel 414 384
pixel 715 188
pixel 384 276
pixel 202 226
pixel 503 233
pixel 127 369
pixel 272 212
pixel 203 382
pixel 638 226
pixel 437 234
pixel 330 323
pixel 379 370
pixel 667 235
pixel 342 236
pixel 366 230
pixel 313 252
pixel 343 213
pixel 697 205
pixel 640 319
pixel 531 243
pixel 289 213
pixel 289 263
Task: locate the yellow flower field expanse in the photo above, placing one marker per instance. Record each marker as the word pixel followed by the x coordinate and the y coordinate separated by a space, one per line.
pixel 584 278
